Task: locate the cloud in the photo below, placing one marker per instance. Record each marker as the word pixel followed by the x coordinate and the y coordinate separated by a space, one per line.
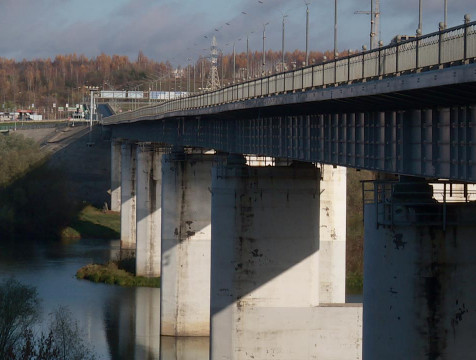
pixel 175 29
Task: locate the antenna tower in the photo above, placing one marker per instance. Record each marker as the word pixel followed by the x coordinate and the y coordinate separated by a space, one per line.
pixel 213 82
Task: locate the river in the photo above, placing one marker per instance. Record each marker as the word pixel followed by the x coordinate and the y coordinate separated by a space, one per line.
pixel 116 321
pixel 120 323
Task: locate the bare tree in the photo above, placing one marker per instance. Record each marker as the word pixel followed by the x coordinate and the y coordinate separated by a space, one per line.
pixel 19 310
pixel 68 336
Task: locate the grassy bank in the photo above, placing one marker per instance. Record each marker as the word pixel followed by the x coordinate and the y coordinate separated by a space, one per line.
pixel 112 274
pixel 93 223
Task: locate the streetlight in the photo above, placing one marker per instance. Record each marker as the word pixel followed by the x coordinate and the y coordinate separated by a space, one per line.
pixel 307 33
pixel 335 28
pixel 282 43
pixel 248 54
pixel 446 14
pixel 264 54
pixel 234 64
pixel 420 25
pixel 188 75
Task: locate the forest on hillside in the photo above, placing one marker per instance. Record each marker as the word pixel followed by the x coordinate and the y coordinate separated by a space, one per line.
pixel 40 83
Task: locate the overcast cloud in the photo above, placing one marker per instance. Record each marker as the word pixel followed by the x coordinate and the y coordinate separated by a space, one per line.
pixel 176 30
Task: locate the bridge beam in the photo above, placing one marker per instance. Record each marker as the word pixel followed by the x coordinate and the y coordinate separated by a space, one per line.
pixel 128 196
pixel 148 212
pixel 186 238
pixel 419 287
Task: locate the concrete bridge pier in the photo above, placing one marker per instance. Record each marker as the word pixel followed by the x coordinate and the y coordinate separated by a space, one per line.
pixel 128 196
pixel 186 241
pixel 419 288
pixel 265 260
pixel 116 175
pixel 148 212
pixel 332 234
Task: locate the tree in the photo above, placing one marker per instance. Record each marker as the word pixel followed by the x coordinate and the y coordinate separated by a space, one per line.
pixel 19 310
pixel 68 337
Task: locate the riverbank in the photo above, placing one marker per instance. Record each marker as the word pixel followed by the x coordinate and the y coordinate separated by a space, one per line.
pixel 112 273
pixel 93 223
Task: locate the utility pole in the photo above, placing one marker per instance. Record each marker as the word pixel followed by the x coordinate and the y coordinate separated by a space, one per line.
pixel 374 22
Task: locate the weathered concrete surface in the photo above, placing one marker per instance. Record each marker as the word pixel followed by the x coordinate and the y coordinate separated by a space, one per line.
pixel 186 237
pixel 115 175
pixel 332 234
pixel 419 286
pixel 184 348
pixel 148 211
pixel 265 269
pixel 298 333
pixel 128 196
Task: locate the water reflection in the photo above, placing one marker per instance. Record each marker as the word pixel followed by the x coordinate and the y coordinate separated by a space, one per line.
pixel 185 348
pixel 120 323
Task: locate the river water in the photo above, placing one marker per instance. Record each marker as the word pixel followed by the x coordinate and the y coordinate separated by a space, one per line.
pixel 118 322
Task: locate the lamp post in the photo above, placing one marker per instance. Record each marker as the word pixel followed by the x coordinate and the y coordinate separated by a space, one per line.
pixel 234 64
pixel 420 25
pixel 335 28
pixel 445 23
pixel 307 33
pixel 282 43
pixel 264 54
pixel 188 75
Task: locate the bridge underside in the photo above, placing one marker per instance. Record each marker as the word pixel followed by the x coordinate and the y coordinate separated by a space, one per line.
pixel 434 136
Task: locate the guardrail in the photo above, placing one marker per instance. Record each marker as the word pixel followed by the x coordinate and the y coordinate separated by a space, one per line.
pixel 438 49
pixel 416 203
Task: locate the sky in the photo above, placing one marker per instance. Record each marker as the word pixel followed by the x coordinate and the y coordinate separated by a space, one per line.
pixel 178 30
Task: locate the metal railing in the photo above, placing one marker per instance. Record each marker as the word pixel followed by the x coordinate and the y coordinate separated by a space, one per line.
pixel 442 48
pixel 416 203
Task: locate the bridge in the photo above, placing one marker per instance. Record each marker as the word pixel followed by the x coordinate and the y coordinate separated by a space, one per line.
pixel 257 253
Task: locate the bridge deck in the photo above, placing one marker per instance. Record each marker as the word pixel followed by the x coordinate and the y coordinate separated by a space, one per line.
pixel 417 122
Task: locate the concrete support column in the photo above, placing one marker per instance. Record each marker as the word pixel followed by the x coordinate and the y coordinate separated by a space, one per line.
pixel 419 283
pixel 115 175
pixel 128 196
pixel 148 188
pixel 186 237
pixel 265 261
pixel 332 234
